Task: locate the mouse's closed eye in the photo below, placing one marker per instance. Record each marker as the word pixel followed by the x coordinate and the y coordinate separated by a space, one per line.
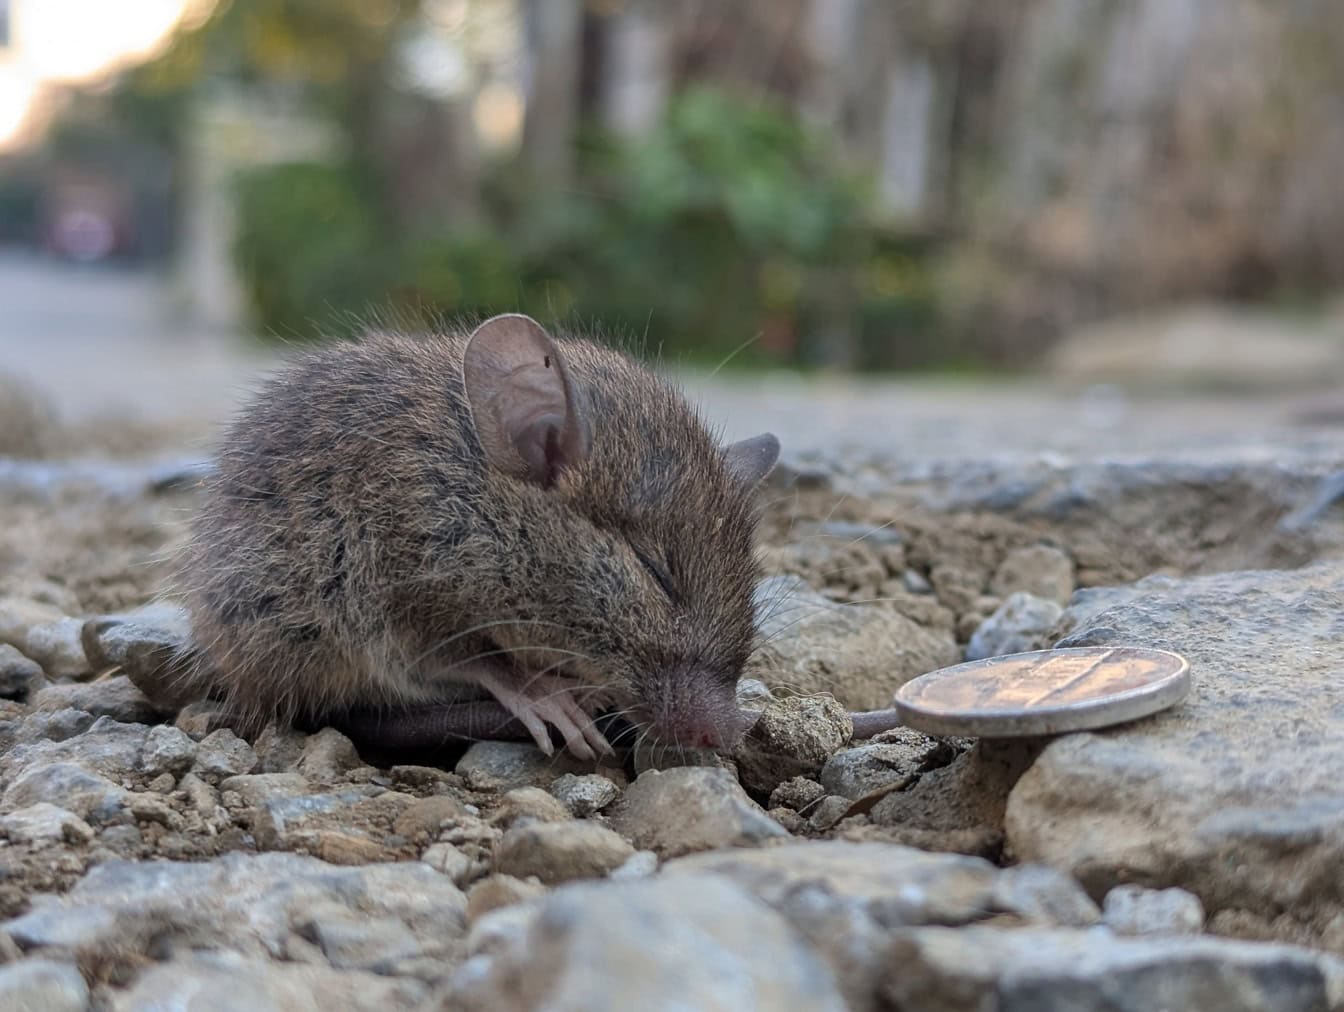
pixel 659 574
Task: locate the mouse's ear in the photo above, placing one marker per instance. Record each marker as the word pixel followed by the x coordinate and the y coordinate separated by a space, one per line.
pixel 751 460
pixel 523 402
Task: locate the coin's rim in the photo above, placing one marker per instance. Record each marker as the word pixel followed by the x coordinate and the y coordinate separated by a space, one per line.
pixel 1117 708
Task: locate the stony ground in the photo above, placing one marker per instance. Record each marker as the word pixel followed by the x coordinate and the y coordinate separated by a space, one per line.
pixel 152 858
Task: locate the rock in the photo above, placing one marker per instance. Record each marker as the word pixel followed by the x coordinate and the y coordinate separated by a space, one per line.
pixel 498 891
pixel 844 898
pixel 694 943
pixel 1021 623
pixel 529 804
pixel 690 808
pixel 860 653
pixel 202 981
pixel 640 864
pixel 867 768
pixel 167 750
pixel 20 676
pixel 753 694
pixel 112 697
pixel 328 756
pixel 827 812
pixel 1044 896
pixel 1134 910
pixel 504 765
pixel 42 985
pixel 584 795
pixel 1236 794
pixel 259 789
pixel 278 749
pixel 975 968
pixel 223 754
pixel 426 816
pixel 88 795
pixel 561 851
pixel 449 860
pixel 44 822
pixel 151 647
pixel 105 746
pixel 797 793
pixel 244 903
pixel 916 582
pixel 280 822
pixel 792 737
pixel 44 634
pixel 1038 570
pixel 355 942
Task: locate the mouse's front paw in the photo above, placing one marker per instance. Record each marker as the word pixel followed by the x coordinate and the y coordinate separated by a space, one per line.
pixel 538 700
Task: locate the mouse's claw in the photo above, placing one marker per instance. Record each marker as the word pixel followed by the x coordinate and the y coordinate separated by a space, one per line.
pixel 537 702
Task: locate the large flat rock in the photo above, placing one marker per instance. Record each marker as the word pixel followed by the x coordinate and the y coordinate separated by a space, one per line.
pixel 1236 794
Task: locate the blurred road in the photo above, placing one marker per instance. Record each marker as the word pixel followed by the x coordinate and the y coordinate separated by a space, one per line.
pixel 104 342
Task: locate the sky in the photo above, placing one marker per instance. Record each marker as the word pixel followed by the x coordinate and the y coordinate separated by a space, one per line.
pixel 70 40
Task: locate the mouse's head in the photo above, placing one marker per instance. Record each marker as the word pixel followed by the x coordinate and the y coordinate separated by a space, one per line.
pixel 634 528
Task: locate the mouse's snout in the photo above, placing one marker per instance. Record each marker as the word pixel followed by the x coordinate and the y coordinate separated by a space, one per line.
pixel 697 710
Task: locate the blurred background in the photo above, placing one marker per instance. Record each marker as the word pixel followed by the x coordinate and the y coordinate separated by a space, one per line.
pixel 1099 192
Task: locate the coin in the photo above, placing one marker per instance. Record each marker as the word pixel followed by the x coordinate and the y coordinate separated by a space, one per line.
pixel 1044 692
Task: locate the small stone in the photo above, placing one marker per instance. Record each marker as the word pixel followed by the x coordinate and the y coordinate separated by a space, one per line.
pixel 278 749
pixel 360 944
pixel 449 860
pixel 504 765
pixel 497 891
pixel 916 582
pixel 1134 910
pixel 828 811
pixel 426 816
pixel 858 771
pixel 164 783
pixel 792 737
pixel 44 822
pixel 1039 570
pixel 797 793
pixel 223 754
pixel 42 985
pixel 753 694
pixel 640 864
pixel 20 676
pixel 345 848
pixel 424 777
pixel 167 750
pixel 151 647
pixel 529 804
pixel 113 697
pixel 256 789
pixel 1045 896
pixel 561 851
pixel 584 795
pixel 151 808
pixel 1021 623
pixel 690 808
pixel 56 646
pixel 67 786
pixel 956 588
pixel 328 756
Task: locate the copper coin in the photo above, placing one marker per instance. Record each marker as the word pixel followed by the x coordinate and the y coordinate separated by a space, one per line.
pixel 1044 692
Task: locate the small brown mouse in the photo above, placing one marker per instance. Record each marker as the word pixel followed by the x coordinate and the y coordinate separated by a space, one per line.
pixel 397 520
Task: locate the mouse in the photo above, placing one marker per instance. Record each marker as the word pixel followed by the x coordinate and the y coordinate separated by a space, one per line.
pixel 500 532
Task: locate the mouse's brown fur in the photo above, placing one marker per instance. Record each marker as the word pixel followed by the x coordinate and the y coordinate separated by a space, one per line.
pixel 358 545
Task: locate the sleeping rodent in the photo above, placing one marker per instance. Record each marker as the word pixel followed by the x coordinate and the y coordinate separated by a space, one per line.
pixel 394 520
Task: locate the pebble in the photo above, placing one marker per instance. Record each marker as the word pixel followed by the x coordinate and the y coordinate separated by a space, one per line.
pixel 42 985
pixel 1134 910
pixel 504 765
pixel 858 771
pixel 1021 623
pixel 450 860
pixel 223 754
pixel 328 756
pixel 584 795
pixel 697 943
pixel 167 750
pixel 43 822
pixel 68 786
pixel 792 737
pixel 20 675
pixel 257 789
pixel 640 864
pixel 495 892
pixel 1039 570
pixel 558 852
pixel 691 808
pixel 426 816
pixel 827 812
pixel 797 793
pixel 1042 895
pixel 529 804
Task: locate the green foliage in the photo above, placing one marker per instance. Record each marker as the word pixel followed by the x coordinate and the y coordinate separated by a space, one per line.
pixel 730 224
pixel 307 248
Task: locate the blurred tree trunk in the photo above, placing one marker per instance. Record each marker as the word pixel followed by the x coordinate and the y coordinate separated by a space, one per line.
pixel 553 34
pixel 636 67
